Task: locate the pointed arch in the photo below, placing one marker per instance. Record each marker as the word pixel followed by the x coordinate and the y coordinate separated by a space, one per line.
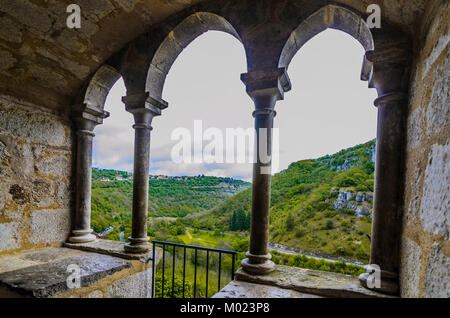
pixel 99 86
pixel 330 16
pixel 178 39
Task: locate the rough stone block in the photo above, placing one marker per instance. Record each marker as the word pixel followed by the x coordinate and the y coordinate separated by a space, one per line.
pixel 29 14
pixel 55 166
pixel 50 226
pixel 437 281
pixel 127 5
pixel 135 286
pixel 12 263
pixel 410 269
pixel 50 255
pixel 35 126
pixel 96 10
pixel 438 112
pixel 50 278
pixel 435 208
pixel 414 129
pixel 9 31
pixel 96 294
pixel 6 60
pixel 166 54
pixel 9 236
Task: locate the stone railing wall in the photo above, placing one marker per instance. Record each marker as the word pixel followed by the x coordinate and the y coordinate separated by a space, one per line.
pixel 425 248
pixel 35 176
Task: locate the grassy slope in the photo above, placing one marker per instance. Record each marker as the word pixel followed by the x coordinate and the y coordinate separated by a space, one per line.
pixel 301 204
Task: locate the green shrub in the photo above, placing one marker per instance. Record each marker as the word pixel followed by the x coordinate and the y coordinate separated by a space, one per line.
pixel 330 225
pixel 178 286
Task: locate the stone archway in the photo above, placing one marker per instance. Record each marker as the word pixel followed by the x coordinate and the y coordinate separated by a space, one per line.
pixel 149 103
pixel 386 68
pixel 178 39
pixel 330 16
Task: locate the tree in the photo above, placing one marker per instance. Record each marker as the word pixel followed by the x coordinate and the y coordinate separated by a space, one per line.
pixel 329 224
pixel 290 222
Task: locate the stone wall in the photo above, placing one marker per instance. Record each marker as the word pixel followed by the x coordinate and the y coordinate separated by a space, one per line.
pixel 35 176
pixel 425 247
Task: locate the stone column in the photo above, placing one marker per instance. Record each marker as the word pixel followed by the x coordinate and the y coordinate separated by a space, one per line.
pixel 390 78
pixel 265 88
pixel 86 118
pixel 143 108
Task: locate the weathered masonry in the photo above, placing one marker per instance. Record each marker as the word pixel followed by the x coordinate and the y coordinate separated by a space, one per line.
pixel 54 82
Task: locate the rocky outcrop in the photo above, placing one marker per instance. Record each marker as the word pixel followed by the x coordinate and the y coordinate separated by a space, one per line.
pixel 347 164
pixel 359 202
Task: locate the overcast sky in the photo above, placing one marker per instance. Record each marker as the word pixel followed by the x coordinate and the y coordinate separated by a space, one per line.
pixel 328 109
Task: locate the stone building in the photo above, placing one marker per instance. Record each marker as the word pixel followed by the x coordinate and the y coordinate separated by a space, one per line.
pixel 54 81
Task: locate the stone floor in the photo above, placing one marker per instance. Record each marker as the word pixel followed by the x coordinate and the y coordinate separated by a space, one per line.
pixel 294 282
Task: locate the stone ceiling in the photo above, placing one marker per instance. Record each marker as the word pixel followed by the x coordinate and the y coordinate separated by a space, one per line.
pixel 43 61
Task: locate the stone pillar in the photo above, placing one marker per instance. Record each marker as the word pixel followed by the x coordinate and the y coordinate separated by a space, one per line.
pixel 143 108
pixel 390 77
pixel 265 88
pixel 86 118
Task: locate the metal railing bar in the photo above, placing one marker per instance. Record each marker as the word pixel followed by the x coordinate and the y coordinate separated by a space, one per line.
pixel 153 272
pixel 220 267
pixel 184 269
pixel 163 265
pixel 173 271
pixel 207 270
pixel 195 272
pixel 232 267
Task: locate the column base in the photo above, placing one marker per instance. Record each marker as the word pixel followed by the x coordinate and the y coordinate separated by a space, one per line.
pixel 388 282
pixel 258 264
pixel 137 245
pixel 82 236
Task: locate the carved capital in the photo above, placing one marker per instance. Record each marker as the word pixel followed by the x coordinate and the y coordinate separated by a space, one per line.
pixel 387 68
pixel 87 116
pixel 267 83
pixel 143 102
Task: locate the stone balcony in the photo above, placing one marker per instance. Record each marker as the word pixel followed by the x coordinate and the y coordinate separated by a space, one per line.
pixel 106 271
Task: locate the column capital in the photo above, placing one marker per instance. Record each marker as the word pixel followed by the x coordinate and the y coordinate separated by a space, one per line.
pixel 267 82
pixel 387 68
pixel 143 102
pixel 87 116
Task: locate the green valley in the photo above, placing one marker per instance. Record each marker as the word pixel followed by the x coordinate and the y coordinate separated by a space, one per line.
pixel 320 207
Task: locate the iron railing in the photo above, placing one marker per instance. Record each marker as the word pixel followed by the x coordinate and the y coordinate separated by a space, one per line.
pixel 196 249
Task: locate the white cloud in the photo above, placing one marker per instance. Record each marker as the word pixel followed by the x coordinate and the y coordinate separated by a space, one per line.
pixel 328 109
